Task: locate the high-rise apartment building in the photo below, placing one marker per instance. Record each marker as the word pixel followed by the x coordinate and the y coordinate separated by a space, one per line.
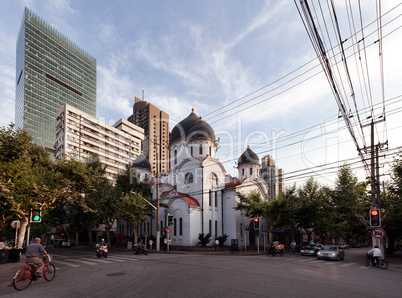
pixel 273 175
pixel 51 71
pixel 83 136
pixel 155 123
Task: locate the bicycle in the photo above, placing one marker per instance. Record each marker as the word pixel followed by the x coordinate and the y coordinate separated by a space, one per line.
pixel 26 274
pixel 381 263
pixel 274 250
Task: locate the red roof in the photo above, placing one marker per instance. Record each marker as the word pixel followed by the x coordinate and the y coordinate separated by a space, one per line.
pixel 167 192
pixel 233 184
pixel 190 200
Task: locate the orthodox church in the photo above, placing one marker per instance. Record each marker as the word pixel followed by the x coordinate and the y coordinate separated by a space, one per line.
pixel 199 194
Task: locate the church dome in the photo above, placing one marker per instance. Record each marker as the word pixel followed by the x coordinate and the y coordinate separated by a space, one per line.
pixel 248 156
pixel 141 162
pixel 192 127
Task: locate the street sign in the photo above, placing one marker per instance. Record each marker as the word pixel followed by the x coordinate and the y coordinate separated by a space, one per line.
pixel 264 232
pixel 246 228
pixel 378 233
pixel 15 224
pixel 168 229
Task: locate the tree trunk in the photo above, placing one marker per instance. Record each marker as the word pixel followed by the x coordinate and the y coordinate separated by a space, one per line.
pixel 77 233
pixel 90 236
pixel 21 232
pixel 134 227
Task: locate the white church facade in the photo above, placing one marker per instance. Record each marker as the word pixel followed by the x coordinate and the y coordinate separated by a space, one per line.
pixel 197 190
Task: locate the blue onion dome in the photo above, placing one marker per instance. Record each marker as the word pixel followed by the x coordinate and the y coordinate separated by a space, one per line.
pixel 248 156
pixel 141 162
pixel 202 130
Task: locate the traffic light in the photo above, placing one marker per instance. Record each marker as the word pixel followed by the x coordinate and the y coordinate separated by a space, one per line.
pixel 375 220
pixel 256 223
pixel 170 220
pixel 36 215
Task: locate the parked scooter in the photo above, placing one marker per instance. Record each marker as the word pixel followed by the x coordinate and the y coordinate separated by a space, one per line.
pixel 139 250
pixel 101 251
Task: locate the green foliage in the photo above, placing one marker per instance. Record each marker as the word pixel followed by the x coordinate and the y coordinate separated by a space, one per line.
pixel 222 239
pixel 204 239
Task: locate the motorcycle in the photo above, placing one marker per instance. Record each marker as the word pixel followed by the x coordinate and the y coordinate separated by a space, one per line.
pixel 101 251
pixel 137 250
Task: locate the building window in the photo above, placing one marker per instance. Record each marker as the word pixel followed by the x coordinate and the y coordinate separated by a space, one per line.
pixel 210 151
pixel 242 172
pixel 213 180
pixel 216 228
pixel 188 178
pixel 181 226
pixel 251 171
pixel 200 149
pixel 210 198
pixel 191 150
pixel 210 227
pixel 174 227
pixel 175 157
pixel 216 199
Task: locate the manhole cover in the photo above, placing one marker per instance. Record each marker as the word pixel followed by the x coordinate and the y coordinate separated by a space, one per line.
pixel 115 274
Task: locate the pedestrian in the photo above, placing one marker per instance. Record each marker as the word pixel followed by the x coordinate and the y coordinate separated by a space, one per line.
pixel 150 243
pixel 165 242
pixel 216 244
pixel 293 247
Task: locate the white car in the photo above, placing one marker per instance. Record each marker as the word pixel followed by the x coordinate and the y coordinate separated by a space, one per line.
pixel 344 245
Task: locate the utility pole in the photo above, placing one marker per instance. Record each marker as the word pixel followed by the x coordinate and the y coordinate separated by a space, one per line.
pixel 158 222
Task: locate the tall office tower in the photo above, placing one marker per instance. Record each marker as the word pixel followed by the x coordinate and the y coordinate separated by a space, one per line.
pixel 273 175
pixel 51 71
pixel 82 136
pixel 156 133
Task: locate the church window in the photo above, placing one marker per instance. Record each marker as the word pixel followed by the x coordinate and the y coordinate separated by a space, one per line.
pixel 242 172
pixel 200 149
pixel 175 157
pixel 210 198
pixel 216 228
pixel 180 226
pixel 174 227
pixel 188 178
pixel 191 149
pixel 213 179
pixel 216 199
pixel 210 150
pixel 251 171
pixel 210 227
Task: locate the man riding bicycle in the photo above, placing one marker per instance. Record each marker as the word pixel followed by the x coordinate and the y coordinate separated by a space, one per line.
pixel 375 255
pixel 34 255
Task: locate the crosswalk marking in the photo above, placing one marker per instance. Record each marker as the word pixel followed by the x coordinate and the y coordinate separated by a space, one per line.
pixel 348 264
pixel 303 260
pixel 102 261
pixel 84 262
pixel 66 263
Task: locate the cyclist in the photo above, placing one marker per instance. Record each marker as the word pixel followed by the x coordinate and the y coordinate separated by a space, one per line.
pixel 375 254
pixel 33 255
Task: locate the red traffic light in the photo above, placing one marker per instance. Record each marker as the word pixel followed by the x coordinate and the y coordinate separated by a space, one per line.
pixel 256 219
pixel 374 212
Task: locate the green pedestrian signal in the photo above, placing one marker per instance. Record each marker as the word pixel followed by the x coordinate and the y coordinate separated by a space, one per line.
pixel 170 220
pixel 36 215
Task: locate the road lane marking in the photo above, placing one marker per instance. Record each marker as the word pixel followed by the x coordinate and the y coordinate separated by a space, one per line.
pixel 348 264
pixel 103 261
pixel 303 260
pixel 84 262
pixel 68 264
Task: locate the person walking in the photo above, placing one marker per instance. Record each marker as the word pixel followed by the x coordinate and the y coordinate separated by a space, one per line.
pixel 216 244
pixel 150 242
pixel 293 247
pixel 34 255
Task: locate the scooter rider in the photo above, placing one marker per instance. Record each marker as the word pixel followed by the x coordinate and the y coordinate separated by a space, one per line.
pixel 375 254
pixel 102 243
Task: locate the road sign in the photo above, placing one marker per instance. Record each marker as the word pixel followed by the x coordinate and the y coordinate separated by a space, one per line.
pixel 246 228
pixel 15 224
pixel 168 229
pixel 378 233
pixel 264 232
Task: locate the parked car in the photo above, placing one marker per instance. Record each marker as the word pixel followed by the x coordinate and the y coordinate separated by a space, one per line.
pixel 309 250
pixel 344 245
pixel 62 243
pixel 331 252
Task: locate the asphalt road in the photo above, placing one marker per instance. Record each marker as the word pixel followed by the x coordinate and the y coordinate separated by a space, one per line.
pixel 123 274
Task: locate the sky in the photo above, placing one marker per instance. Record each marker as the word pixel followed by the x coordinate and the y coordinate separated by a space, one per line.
pixel 248 68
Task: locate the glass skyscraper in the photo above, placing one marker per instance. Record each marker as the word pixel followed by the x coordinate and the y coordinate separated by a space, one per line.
pixel 51 71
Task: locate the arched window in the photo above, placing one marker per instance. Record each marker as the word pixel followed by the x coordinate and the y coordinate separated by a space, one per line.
pixel 242 172
pixel 175 157
pixel 251 171
pixel 200 149
pixel 191 149
pixel 180 226
pixel 188 178
pixel 210 150
pixel 213 179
